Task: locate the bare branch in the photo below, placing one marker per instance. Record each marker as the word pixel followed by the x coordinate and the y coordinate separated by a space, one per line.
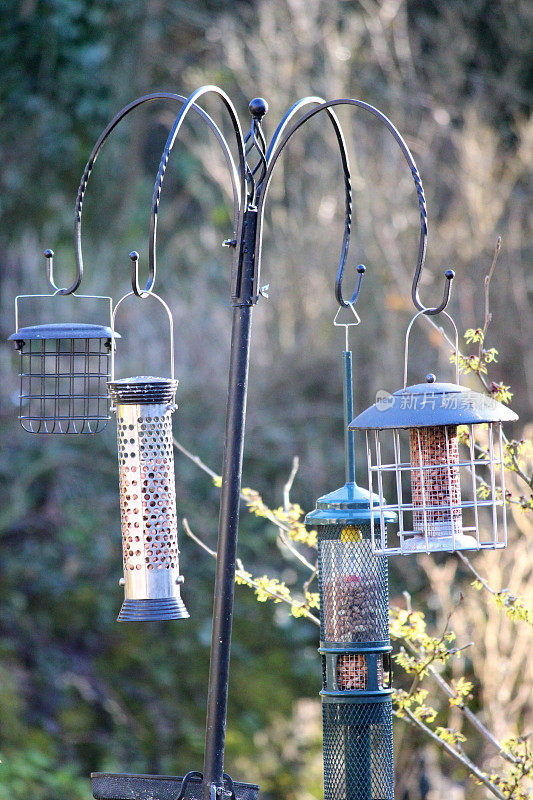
pixel 196 460
pixel 288 486
pixel 469 715
pixel 268 514
pixel 249 581
pixel 458 756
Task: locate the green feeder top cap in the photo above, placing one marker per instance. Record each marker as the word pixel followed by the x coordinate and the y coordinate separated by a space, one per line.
pixel 64 330
pixel 349 504
pixel 431 404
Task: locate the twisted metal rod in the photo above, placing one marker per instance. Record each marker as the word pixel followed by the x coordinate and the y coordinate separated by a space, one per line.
pixel 272 154
pixel 238 217
pixel 96 151
pixel 284 139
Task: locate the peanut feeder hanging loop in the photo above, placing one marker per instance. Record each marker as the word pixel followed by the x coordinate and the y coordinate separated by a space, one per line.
pixel 406 348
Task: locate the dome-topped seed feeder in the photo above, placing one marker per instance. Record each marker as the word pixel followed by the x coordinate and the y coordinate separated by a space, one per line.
pixel 439 447
pixel 144 406
pixel 64 368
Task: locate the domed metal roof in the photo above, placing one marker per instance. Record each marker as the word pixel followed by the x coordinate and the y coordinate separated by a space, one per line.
pixel 64 330
pixel 427 404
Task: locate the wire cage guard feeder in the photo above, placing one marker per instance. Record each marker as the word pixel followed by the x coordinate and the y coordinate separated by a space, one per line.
pixel 354 638
pixel 144 407
pixel 64 368
pixel 440 447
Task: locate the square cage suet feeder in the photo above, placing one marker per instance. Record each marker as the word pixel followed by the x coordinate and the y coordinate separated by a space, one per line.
pixel 64 368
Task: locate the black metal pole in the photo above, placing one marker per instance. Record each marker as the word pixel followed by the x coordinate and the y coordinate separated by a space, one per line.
pixel 217 697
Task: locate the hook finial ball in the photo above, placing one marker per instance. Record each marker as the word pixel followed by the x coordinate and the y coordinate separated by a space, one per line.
pixel 258 107
pixel 361 269
pixel 431 378
pixel 450 274
pixel 134 255
pixel 48 253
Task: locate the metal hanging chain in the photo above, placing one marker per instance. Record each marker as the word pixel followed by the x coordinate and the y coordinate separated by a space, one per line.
pixel 94 155
pixel 406 349
pixel 326 106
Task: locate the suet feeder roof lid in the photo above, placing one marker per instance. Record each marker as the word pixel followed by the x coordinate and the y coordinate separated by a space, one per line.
pixel 431 404
pixel 65 330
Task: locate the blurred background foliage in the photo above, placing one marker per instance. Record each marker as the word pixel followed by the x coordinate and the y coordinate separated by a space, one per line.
pixel 77 691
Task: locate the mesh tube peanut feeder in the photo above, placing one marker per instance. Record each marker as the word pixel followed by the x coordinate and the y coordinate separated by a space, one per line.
pixel 354 638
pixel 439 447
pixel 144 406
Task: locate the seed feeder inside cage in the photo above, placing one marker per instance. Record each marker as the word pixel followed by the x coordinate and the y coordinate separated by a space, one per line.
pixel 439 447
pixel 64 368
pixel 144 406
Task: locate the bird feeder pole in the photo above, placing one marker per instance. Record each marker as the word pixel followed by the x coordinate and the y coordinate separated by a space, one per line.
pixel 250 179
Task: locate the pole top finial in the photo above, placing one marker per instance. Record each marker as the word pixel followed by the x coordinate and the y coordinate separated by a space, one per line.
pixel 258 107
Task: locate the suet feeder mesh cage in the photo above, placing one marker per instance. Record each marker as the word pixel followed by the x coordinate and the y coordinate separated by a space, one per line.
pixel 64 368
pixel 438 448
pixel 355 649
pixel 144 406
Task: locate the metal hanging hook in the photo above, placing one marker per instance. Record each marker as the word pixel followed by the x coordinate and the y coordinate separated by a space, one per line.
pixel 282 138
pixel 237 190
pixel 449 276
pixel 361 269
pixel 49 256
pixel 147 291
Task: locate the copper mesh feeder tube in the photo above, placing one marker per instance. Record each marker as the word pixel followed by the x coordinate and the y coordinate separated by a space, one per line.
pixel 144 406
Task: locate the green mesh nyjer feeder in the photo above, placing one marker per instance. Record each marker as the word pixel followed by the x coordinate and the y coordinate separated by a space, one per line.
pixel 354 637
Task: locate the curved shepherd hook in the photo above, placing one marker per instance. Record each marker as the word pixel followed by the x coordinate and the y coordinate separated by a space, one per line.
pixel 90 164
pixel 271 156
pixel 190 103
pixel 255 139
pixel 283 140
